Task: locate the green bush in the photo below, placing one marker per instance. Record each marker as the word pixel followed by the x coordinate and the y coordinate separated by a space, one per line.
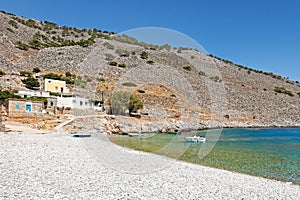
pixel 113 63
pixel 135 104
pixel 150 62
pixel 109 56
pixel 216 79
pixel 201 73
pixel 13 23
pixel 122 101
pixel 7 94
pixel 122 52
pixel 144 55
pixel 36 70
pixel 2 73
pixel 10 30
pixel 128 84
pixel 22 46
pixel 122 65
pixel 283 91
pixel 25 73
pixel 141 91
pixel 108 45
pixel 188 68
pixel 31 83
pixel 52 76
pixel 298 94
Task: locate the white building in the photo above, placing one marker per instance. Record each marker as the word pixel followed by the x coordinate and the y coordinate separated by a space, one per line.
pixel 32 93
pixel 77 103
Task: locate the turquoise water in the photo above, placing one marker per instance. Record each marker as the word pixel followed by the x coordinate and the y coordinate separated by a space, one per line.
pixel 270 152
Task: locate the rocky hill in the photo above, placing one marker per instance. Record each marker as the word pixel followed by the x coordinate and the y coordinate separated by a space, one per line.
pixel 181 85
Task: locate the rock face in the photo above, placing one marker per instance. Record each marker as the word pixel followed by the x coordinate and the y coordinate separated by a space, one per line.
pixel 192 88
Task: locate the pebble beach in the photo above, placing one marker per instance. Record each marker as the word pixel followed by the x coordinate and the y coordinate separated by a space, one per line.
pixel 58 166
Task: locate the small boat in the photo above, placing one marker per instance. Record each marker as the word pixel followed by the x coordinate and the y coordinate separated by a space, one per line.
pixel 195 139
pixel 81 134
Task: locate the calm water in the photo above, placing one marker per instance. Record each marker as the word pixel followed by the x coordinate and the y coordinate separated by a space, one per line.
pixel 271 153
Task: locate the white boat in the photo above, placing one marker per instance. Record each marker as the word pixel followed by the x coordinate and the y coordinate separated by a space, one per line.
pixel 195 139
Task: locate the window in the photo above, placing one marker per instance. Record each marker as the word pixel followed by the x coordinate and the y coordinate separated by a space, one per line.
pixel 85 103
pixel 74 101
pixel 17 106
pixel 81 103
pixel 49 81
pixel 56 88
pixel 51 103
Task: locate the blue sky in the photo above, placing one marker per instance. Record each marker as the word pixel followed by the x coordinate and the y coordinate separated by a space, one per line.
pixel 259 34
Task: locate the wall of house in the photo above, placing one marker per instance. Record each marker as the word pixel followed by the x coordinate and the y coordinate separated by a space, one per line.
pixel 31 93
pixel 23 108
pixel 58 86
pixel 74 102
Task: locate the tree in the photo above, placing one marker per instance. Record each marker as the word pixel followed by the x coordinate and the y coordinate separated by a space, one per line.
pixel 135 104
pixel 122 101
pixel 68 74
pixel 31 83
pixel 36 70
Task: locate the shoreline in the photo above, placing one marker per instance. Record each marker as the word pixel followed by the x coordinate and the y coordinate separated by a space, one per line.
pixel 53 165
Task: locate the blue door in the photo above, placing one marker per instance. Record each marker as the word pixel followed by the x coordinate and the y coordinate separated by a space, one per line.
pixel 28 108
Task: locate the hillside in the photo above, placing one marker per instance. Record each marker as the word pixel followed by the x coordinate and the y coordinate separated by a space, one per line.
pixel 175 84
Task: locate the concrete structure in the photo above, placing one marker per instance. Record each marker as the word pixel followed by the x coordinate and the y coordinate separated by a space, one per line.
pixel 51 106
pixel 24 108
pixel 77 103
pixel 57 86
pixel 33 93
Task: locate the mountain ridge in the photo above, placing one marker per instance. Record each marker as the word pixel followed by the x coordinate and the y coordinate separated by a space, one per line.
pixel 249 96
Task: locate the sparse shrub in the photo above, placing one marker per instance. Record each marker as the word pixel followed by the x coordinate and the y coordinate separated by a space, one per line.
pixel 109 57
pixel 298 94
pixel 52 76
pixel 22 46
pixel 2 73
pixel 122 101
pixel 108 45
pixel 165 46
pixel 25 73
pixel 201 73
pixel 68 74
pixel 283 91
pixel 173 95
pixel 102 80
pixel 151 62
pixel 188 68
pixel 122 52
pixel 13 23
pixel 61 53
pixel 10 30
pixel 113 63
pixel 192 57
pixel 133 53
pixel 216 79
pixel 141 91
pixel 122 65
pixel 129 84
pixel 144 55
pixel 36 70
pixel 249 72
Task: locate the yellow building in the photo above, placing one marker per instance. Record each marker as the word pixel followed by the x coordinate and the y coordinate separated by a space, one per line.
pixel 58 86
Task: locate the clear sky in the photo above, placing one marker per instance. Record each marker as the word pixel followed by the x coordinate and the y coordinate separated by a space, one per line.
pixel 261 34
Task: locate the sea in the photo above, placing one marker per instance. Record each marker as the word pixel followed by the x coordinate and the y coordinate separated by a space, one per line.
pixel 272 153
